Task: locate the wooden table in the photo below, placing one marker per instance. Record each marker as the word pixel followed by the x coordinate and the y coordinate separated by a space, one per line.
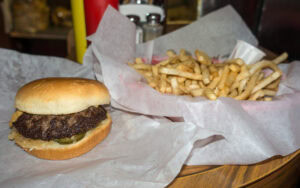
pixel 275 172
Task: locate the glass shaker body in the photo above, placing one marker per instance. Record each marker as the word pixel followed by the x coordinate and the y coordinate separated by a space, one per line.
pixel 153 28
pixel 139 34
pixel 139 31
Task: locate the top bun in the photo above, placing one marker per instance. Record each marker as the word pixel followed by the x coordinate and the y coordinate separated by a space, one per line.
pixel 60 96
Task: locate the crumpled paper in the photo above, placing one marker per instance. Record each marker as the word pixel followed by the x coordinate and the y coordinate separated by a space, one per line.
pixel 140 151
pixel 248 132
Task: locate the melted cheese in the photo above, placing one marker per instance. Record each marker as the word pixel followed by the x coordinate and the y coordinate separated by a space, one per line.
pixel 14 117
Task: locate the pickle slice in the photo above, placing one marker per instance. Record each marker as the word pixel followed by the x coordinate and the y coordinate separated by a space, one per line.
pixel 73 139
pixel 64 140
pixel 78 137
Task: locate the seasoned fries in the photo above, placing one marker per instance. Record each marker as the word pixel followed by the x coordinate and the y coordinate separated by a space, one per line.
pixel 183 74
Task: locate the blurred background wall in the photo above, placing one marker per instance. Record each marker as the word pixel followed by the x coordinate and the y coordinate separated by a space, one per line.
pixel 276 24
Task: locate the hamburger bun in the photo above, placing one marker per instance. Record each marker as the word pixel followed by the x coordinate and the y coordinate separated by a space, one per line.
pixel 60 97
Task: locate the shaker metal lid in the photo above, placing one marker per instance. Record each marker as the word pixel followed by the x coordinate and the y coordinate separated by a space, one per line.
pixel 153 17
pixel 134 18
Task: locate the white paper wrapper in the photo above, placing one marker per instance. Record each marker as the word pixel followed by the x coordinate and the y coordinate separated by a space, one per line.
pixel 247 52
pixel 139 152
pixel 246 131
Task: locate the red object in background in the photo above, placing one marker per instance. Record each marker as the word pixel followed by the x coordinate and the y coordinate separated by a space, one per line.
pixel 94 10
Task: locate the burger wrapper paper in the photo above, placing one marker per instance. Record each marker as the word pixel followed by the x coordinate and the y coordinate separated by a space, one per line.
pixel 140 151
pixel 247 131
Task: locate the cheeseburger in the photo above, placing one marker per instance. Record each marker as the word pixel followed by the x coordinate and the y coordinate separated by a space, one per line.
pixel 60 118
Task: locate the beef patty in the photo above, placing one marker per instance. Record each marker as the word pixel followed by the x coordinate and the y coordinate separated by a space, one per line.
pixel 48 127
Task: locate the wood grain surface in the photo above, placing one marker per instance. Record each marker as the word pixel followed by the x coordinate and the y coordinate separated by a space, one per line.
pixel 275 172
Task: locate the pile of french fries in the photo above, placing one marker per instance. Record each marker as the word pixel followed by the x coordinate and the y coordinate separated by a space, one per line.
pixel 182 74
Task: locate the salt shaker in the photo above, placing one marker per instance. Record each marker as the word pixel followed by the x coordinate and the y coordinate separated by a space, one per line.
pixel 152 28
pixel 139 31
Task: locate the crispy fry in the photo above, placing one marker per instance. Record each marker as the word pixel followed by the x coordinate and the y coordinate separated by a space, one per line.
pixel 171 53
pixel 202 57
pixel 201 84
pixel 263 64
pixel 237 61
pixel 183 75
pixel 187 83
pixel 274 84
pixel 242 85
pixel 243 74
pixel 233 93
pixel 155 71
pixel 205 74
pixel 139 60
pixel 210 94
pixel 212 69
pixel 266 81
pixel 183 56
pixel 197 69
pixel 142 72
pixel 174 60
pixel 163 83
pixel 269 92
pixel 249 88
pixel 224 77
pixel 142 66
pixel 180 79
pixel 184 68
pixel 280 58
pixel 231 78
pixel 267 98
pixel 152 83
pixel 213 84
pixel 176 72
pixel 193 86
pixel 234 68
pixel 182 88
pixel 260 76
pixel 214 75
pixel 224 92
pixel 174 85
pixel 197 92
pixel 220 65
pixel 235 85
pixel 217 91
pixel 169 89
pixel 256 95
pixel 164 62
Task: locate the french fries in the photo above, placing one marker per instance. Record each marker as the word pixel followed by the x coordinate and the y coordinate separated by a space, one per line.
pixel 183 74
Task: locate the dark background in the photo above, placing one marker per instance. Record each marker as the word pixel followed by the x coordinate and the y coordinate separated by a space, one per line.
pixel 276 24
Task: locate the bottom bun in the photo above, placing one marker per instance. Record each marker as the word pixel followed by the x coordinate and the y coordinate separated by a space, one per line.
pixel 54 151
